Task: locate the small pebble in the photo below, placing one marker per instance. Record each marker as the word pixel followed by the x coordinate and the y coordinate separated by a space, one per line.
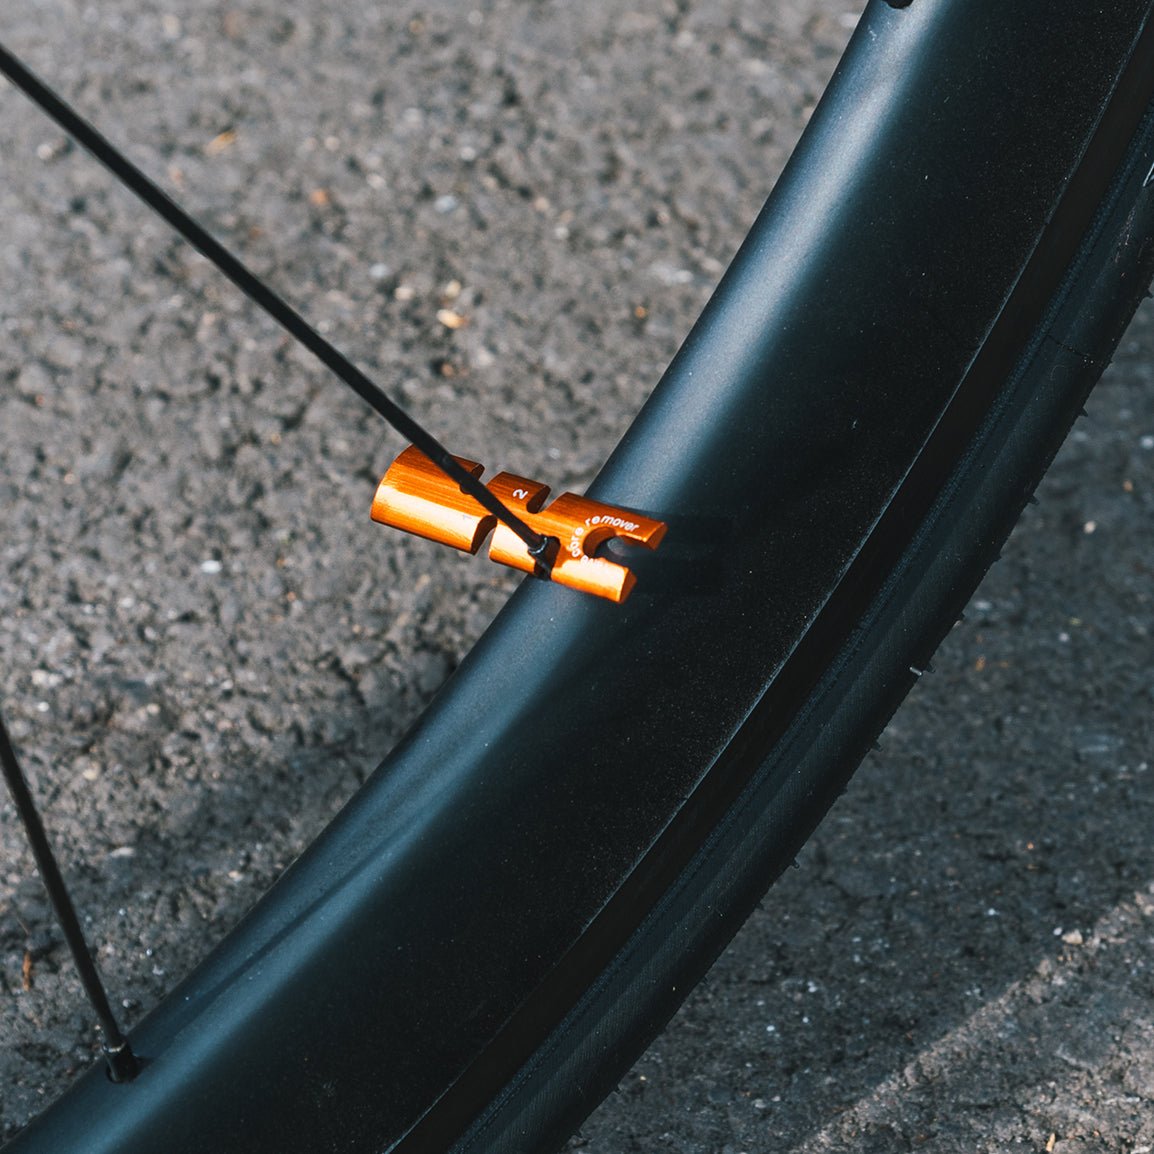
pixel 222 142
pixel 451 320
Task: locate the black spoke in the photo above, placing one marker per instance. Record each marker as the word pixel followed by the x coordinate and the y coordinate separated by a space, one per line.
pixel 122 1064
pixel 540 546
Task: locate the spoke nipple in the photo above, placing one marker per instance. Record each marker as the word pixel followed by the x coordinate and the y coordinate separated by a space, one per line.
pixel 544 554
pixel 123 1065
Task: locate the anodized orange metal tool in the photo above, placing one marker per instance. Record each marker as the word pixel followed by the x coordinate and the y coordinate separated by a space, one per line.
pixel 416 496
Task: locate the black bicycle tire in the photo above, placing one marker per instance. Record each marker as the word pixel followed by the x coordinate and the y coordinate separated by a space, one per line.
pixel 1083 301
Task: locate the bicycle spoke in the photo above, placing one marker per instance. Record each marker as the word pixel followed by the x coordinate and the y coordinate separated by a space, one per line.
pixel 122 1063
pixel 542 549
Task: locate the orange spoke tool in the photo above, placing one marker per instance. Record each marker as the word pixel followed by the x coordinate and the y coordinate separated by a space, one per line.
pixel 416 496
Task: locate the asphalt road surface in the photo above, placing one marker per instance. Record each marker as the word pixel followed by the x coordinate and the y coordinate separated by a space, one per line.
pixel 510 213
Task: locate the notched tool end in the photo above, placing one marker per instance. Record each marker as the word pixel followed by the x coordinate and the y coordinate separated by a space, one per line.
pixel 416 496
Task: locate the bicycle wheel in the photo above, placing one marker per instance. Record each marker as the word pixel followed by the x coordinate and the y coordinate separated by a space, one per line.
pixel 851 426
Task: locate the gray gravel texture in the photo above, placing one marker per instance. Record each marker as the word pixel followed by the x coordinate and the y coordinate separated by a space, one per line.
pixel 206 646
